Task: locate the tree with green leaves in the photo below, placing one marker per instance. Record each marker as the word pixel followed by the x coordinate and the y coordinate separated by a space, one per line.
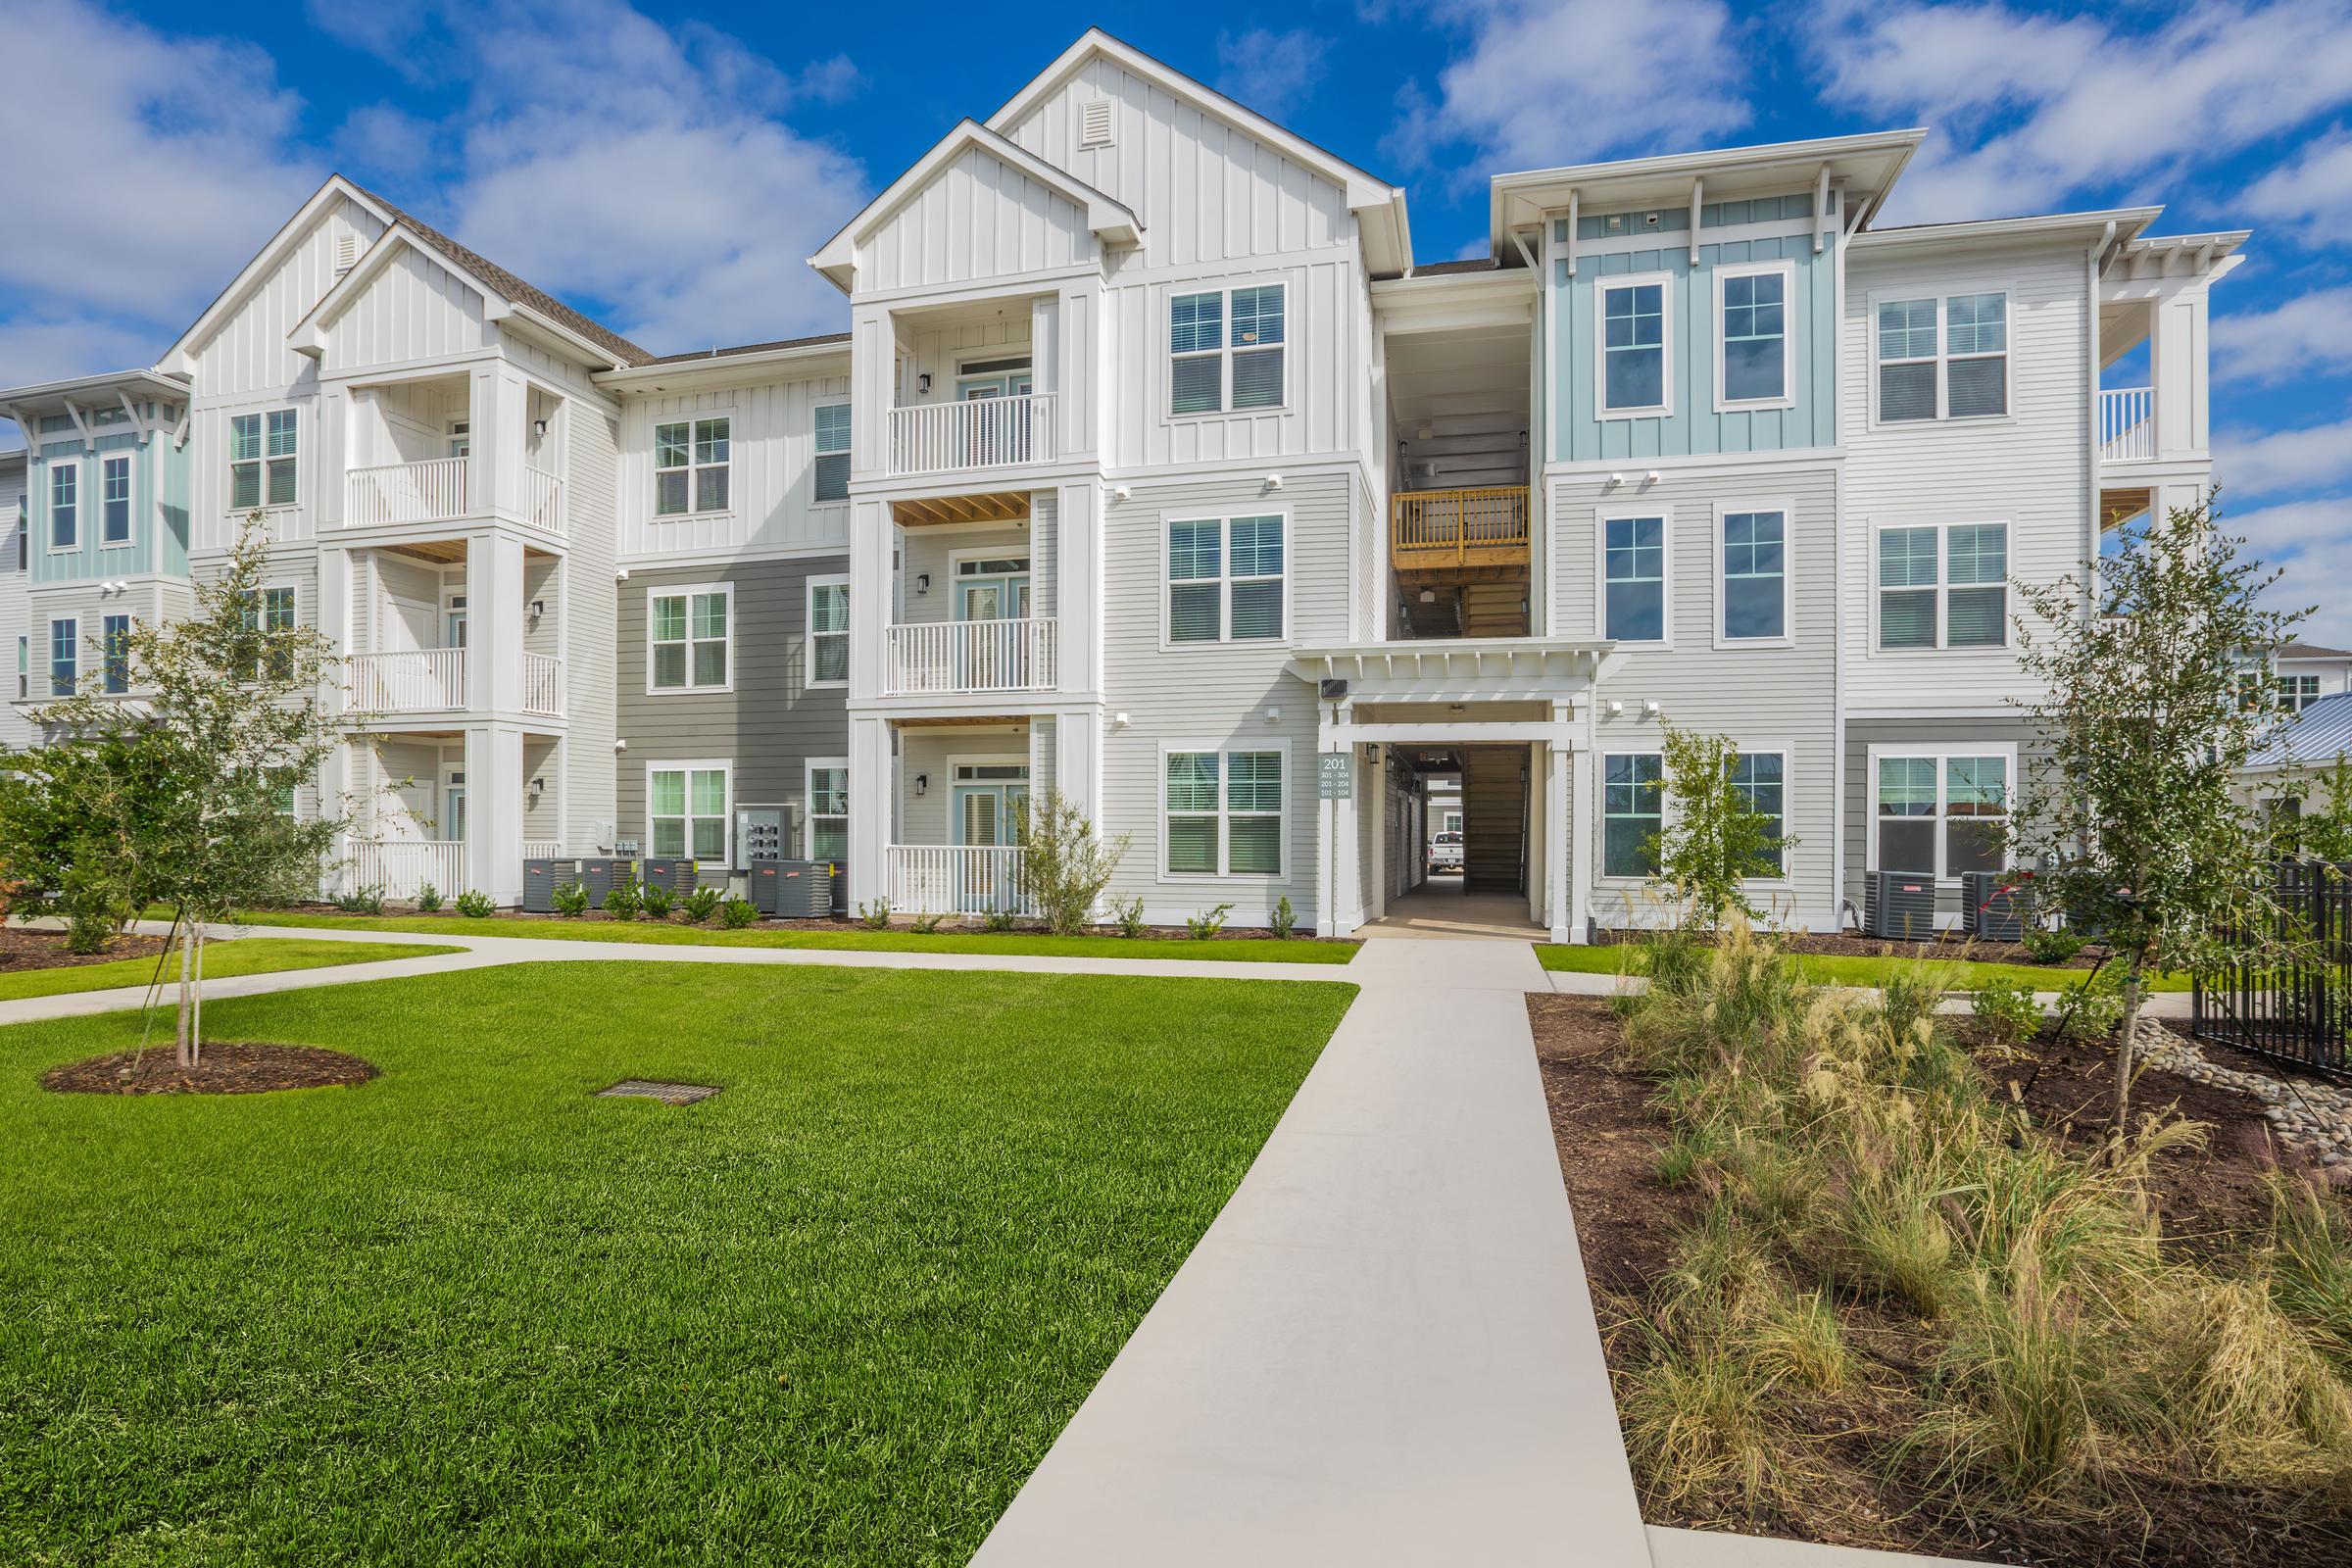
pixel 1714 837
pixel 2321 826
pixel 2131 811
pixel 1064 865
pixel 74 822
pixel 223 716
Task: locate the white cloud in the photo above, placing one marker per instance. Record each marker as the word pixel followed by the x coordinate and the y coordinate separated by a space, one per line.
pixel 2312 540
pixel 2037 109
pixel 2311 196
pixel 2310 334
pixel 1272 72
pixel 1546 83
pixel 2261 466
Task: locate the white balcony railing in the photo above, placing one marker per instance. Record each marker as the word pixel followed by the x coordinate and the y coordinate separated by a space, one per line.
pixel 542 500
pixel 2127 424
pixel 401 866
pixel 406 492
pixel 423 681
pixel 972 433
pixel 957 879
pixel 969 656
pixel 543 685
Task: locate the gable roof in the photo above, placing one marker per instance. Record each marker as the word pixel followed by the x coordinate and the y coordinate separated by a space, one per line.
pixel 1113 221
pixel 2296 647
pixel 2318 735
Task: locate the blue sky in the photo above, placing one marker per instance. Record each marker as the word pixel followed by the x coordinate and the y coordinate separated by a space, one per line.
pixel 668 171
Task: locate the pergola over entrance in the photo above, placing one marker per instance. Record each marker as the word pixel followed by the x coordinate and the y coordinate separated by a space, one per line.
pixel 1485 697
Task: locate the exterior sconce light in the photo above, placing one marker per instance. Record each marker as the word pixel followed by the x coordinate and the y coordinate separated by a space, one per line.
pixel 1372 755
pixel 923 582
pixel 1650 710
pixel 622 575
pixel 922 382
pixel 1119 720
pixel 1120 492
pixel 1614 480
pixel 923 783
pixel 620 745
pixel 1652 478
pixel 538 607
pixel 1612 707
pixel 539 428
pixel 538 788
pixel 1273 482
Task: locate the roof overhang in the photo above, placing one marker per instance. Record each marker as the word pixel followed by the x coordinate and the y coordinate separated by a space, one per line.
pixel 1446 301
pixel 799 358
pixel 2085 227
pixel 309 336
pixel 1457 669
pixel 1863 167
pixel 182 355
pixel 120 389
pixel 1111 220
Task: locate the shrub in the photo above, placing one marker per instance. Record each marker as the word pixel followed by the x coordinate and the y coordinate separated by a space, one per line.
pixel 1286 919
pixel 736 913
pixel 2052 944
pixel 996 919
pixel 621 901
pixel 656 898
pixel 874 916
pixel 368 900
pixel 429 899
pixel 1208 923
pixel 2009 1013
pixel 474 905
pixel 926 924
pixel 2092 1008
pixel 701 904
pixel 1064 867
pixel 571 899
pixel 1127 917
pixel 1714 839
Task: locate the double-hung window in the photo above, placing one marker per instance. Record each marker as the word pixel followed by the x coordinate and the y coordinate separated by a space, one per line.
pixel 691 635
pixel 1941 814
pixel 64 506
pixel 687 810
pixel 65 657
pixel 828 631
pixel 114 501
pixel 833 452
pixel 23 666
pixel 2298 692
pixel 263 459
pixel 1761 779
pixel 1752 351
pixel 1633 812
pixel 1633 345
pixel 114 639
pixel 1225 579
pixel 1963 604
pixel 1224 814
pixel 1226 348
pixel 828 808
pixel 1634 579
pixel 1755 575
pixel 1943 357
pixel 271 611
pixel 691 466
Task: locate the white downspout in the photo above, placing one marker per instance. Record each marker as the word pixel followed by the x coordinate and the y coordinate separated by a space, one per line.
pixel 2094 523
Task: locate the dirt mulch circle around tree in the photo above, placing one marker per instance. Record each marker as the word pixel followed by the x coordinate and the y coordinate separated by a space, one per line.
pixel 22 951
pixel 1627 1222
pixel 228 1067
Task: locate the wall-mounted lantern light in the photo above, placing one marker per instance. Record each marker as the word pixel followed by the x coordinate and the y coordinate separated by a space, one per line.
pixel 923 783
pixel 923 582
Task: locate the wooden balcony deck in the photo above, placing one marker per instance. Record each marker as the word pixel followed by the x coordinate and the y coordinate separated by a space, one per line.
pixel 1459 535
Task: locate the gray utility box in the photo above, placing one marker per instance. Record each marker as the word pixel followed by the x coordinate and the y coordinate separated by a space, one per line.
pixel 1900 906
pixel 541 878
pixel 1997 911
pixel 599 876
pixel 793 890
pixel 675 875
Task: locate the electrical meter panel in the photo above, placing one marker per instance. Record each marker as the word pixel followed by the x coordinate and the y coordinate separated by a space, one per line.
pixel 760 833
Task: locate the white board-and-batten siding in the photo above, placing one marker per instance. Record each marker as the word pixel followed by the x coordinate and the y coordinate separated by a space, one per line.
pixel 977 217
pixel 772 488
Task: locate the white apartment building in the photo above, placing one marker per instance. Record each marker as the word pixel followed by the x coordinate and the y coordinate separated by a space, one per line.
pixel 1152 468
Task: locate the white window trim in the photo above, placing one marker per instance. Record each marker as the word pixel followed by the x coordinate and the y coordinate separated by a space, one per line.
pixel 229 465
pixel 1944 586
pixel 1787 399
pixel 1602 876
pixel 816 451
pixel 57 465
pixel 1226 288
pixel 1601 345
pixel 1224 581
pixel 1943 295
pixel 1940 752
pixel 1723 510
pixel 830 579
pixel 1600 575
pixel 131 502
pixel 809 767
pixel 1788 756
pixel 725 767
pixel 654 470
pixel 687 591
pixel 49 662
pixel 948 766
pixel 1224 749
pixel 1786 881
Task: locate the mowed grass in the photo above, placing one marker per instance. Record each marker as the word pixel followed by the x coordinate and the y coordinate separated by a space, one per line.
pixel 1853 969
pixel 946 940
pixel 469 1313
pixel 222 959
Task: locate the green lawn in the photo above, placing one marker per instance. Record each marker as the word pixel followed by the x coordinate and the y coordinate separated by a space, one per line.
pixel 467 1312
pixel 250 956
pixel 1853 969
pixel 785 936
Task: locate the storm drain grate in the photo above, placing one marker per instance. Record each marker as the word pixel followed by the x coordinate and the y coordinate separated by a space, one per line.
pixel 667 1094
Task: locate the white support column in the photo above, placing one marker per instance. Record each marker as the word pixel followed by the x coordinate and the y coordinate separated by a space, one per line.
pixel 1347 849
pixel 1078 764
pixel 1559 842
pixel 2178 355
pixel 1078 587
pixel 873 540
pixel 494 618
pixel 1580 842
pixel 871 789
pixel 494 785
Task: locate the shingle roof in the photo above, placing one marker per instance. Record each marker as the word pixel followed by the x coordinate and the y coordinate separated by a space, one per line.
pixel 2296 647
pixel 751 348
pixel 1475 263
pixel 516 289
pixel 2315 737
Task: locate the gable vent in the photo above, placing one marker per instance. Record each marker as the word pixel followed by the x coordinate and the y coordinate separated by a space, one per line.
pixel 347 251
pixel 1094 123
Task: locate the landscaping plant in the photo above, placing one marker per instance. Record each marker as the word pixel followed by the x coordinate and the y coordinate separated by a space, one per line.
pixel 571 899
pixel 1714 838
pixel 655 898
pixel 2131 809
pixel 925 925
pixel 1286 919
pixel 1064 865
pixel 2051 944
pixel 622 901
pixel 368 900
pixel 429 899
pixel 1208 923
pixel 874 916
pixel 701 904
pixel 476 904
pixel 736 913
pixel 2008 1012
pixel 73 820
pixel 1128 915
pixel 996 919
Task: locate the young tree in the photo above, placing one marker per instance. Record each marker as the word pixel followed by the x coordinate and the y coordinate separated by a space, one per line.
pixel 1064 865
pixel 2131 811
pixel 226 714
pixel 1714 837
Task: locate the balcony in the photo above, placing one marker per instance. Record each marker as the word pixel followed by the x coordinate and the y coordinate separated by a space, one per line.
pixel 400 868
pixel 957 879
pixel 938 659
pixel 543 685
pixel 968 434
pixel 2127 424
pixel 428 680
pixel 1457 531
pixel 440 490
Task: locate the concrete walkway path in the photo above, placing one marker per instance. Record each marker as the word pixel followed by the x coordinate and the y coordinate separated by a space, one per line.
pixel 1382 1350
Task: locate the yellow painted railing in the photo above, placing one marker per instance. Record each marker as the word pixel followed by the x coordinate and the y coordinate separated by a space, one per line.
pixel 1430 523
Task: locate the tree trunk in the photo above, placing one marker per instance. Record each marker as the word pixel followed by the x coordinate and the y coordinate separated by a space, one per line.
pixel 196 1002
pixel 2126 1055
pixel 184 1034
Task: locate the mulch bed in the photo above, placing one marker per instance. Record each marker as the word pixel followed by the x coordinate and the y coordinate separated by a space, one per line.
pixel 953 925
pixel 225 1068
pixel 1627 1222
pixel 22 951
pixel 1948 948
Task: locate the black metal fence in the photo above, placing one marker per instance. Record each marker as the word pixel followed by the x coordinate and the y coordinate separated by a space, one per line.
pixel 2296 1002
